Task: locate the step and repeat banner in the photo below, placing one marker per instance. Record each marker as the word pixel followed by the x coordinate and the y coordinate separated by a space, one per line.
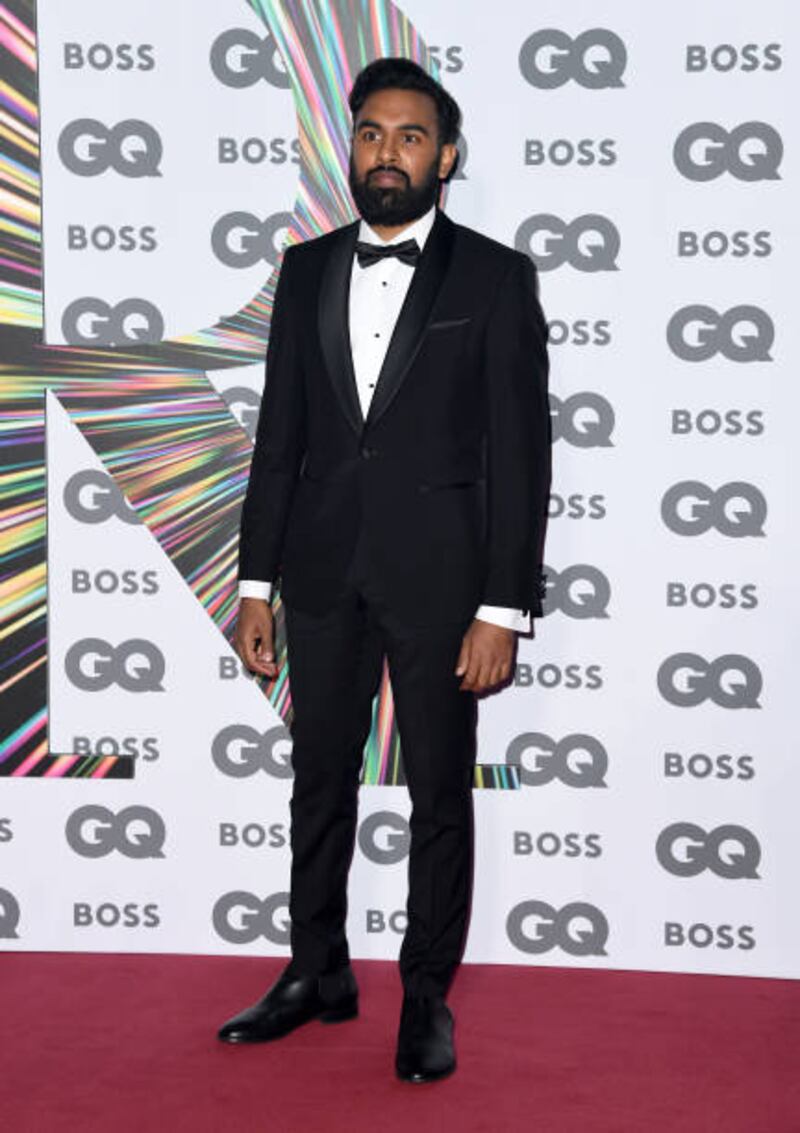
pixel 635 803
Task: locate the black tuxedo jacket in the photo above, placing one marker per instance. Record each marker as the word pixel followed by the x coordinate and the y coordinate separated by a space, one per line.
pixel 448 477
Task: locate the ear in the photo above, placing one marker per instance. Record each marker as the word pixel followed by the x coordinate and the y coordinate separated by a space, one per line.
pixel 447 159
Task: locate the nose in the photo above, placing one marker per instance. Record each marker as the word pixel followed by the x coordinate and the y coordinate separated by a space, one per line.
pixel 388 150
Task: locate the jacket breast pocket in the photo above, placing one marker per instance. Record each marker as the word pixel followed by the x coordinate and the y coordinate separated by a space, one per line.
pixel 450 324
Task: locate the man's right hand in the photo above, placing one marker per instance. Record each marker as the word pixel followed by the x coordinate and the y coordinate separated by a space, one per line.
pixel 254 639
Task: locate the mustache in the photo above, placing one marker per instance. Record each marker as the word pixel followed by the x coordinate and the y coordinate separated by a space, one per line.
pixel 387 169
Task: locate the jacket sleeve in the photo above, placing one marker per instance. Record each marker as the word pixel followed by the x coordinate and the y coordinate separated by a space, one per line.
pixel 518 442
pixel 280 440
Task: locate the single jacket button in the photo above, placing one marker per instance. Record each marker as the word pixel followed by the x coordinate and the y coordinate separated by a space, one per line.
pixel 368 453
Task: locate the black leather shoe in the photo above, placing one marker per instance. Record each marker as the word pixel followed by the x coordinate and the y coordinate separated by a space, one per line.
pixel 425 1041
pixel 292 1001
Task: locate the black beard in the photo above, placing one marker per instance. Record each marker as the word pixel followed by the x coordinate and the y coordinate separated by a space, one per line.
pixel 390 206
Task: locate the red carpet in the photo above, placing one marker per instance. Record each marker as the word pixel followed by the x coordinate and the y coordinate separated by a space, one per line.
pixel 123 1043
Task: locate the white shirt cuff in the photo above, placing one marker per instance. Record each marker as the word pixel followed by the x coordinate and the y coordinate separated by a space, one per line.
pixel 248 588
pixel 505 617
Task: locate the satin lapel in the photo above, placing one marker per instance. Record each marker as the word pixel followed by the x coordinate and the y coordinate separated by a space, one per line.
pixel 334 329
pixel 414 316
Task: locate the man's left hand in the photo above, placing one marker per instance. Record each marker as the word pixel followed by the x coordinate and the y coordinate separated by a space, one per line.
pixel 487 653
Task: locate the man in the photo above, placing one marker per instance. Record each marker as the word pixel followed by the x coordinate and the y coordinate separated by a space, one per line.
pixel 399 489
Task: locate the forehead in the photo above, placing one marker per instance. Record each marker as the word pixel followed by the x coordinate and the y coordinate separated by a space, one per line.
pixel 399 107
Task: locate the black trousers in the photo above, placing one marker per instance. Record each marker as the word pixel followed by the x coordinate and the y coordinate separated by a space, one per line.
pixel 335 665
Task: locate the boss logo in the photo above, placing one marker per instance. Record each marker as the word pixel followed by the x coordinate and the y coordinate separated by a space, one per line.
pixel 741 334
pixel 723 936
pixel 752 151
pixel 241 917
pixel 577 760
pixel 93 497
pixel 562 152
pixel 579 929
pixel 729 851
pixel 258 151
pixel 94 665
pixel 244 404
pixel 253 835
pixel 589 243
pixel 579 591
pixel 111 915
pixel 240 240
pixel 550 676
pixel 104 57
pixel 6 830
pixel 105 238
pixel 585 419
pixel 581 332
pixel 132 148
pixel 112 581
pixel 550 845
pixel 595 59
pixel 704 596
pixel 379 921
pixel 93 322
pixel 702 766
pixel 135 832
pixel 241 751
pixel 448 59
pixel 384 837
pixel 726 57
pixel 737 509
pixel 576 506
pixel 730 681
pixel 713 422
pixel 230 668
pixel 9 915
pixel 240 58
pixel 716 244
pixel 129 747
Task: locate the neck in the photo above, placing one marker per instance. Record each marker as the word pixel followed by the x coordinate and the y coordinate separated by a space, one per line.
pixel 388 232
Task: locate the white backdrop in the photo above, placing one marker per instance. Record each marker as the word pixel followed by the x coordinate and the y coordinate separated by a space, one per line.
pixel 652 715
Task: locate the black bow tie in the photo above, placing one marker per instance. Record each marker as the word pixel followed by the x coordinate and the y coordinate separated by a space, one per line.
pixel 407 251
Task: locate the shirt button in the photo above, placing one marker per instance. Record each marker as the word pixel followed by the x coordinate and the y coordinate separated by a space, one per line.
pixel 377 335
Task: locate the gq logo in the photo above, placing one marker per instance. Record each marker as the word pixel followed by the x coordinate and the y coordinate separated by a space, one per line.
pixel 132 148
pixel 589 243
pixel 240 240
pixel 241 917
pixel 579 929
pixel 750 152
pixel 384 837
pixel 241 58
pixel 737 509
pixel 9 915
pixel 595 59
pixel 135 832
pixel 93 497
pixel 244 404
pixel 137 665
pixel 741 334
pixel 579 591
pixel 585 419
pixel 577 760
pixel 730 681
pixel 241 751
pixel 732 852
pixel 93 322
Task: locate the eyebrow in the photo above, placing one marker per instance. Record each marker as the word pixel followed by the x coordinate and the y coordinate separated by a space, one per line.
pixel 405 126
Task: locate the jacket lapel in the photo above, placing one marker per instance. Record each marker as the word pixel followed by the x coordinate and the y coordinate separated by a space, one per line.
pixel 333 321
pixel 414 316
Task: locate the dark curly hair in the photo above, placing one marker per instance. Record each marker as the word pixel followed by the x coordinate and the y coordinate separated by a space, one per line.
pixel 395 73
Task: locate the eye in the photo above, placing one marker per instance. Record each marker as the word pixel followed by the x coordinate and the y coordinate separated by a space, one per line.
pixel 368 135
pixel 411 138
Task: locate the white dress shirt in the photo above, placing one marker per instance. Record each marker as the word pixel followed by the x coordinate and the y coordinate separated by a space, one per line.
pixel 377 293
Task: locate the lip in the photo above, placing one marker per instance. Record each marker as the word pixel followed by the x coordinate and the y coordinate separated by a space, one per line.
pixel 386 177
